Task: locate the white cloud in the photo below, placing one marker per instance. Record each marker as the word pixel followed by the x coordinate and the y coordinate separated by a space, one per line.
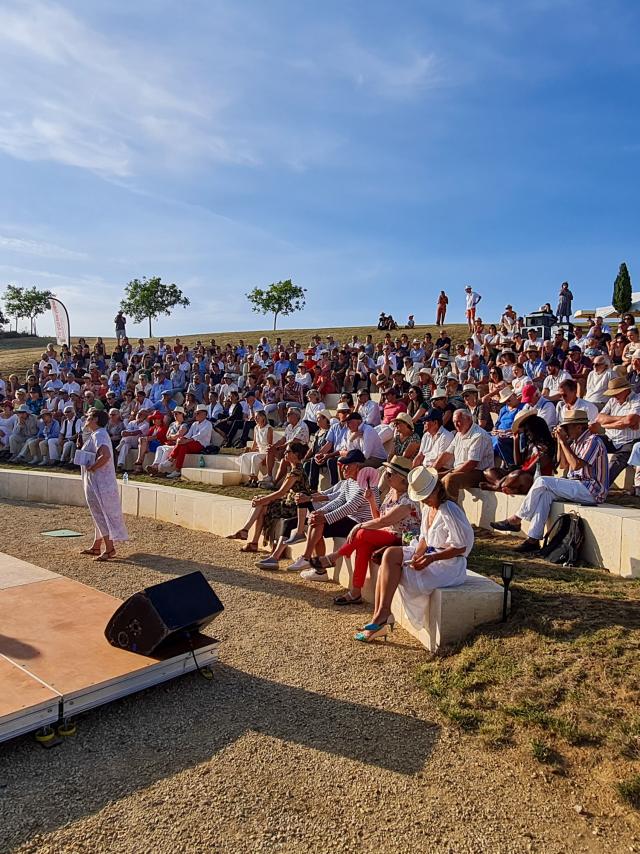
pixel 72 95
pixel 39 248
pixel 389 77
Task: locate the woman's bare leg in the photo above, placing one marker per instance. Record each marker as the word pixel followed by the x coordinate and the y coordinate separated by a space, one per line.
pixel 389 576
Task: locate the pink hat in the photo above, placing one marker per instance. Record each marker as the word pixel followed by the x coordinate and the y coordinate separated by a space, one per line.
pixel 529 393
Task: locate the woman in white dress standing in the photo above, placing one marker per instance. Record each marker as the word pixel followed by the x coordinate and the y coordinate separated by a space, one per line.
pixel 437 559
pixel 101 489
pixel 252 461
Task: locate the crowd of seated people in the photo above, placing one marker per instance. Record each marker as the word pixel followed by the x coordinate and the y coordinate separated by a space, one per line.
pixel 503 411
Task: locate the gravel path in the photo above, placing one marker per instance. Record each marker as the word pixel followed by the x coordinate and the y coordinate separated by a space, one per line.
pixel 304 741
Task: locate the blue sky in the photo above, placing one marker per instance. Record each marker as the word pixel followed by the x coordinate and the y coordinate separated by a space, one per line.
pixel 374 152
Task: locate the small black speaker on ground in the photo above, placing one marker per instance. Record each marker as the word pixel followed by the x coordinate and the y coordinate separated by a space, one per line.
pixel 168 610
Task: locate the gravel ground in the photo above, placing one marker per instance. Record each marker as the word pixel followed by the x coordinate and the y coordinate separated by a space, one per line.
pixel 304 741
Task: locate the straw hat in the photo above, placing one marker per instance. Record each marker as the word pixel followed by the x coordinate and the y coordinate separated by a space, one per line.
pixel 521 417
pixel 405 418
pixel 439 394
pixel 398 465
pixel 506 394
pixel 469 389
pixel 574 416
pixel 422 482
pixel 617 386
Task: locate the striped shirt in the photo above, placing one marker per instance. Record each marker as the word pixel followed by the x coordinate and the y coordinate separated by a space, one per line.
pixel 595 473
pixel 347 499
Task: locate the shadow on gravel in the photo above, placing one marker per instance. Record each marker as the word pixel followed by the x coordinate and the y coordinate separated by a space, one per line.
pixel 172 728
pixel 261 581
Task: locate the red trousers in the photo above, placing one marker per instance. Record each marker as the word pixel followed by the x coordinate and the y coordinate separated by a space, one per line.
pixel 364 543
pixel 180 452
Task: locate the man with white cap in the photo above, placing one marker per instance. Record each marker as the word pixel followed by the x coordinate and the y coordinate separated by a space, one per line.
pixel 598 380
pixel 620 418
pixel 471 301
pixel 196 440
pixel 587 481
pixel 134 429
pixel 67 442
pixel 509 319
pixel 25 429
pixel 468 455
pixel 335 440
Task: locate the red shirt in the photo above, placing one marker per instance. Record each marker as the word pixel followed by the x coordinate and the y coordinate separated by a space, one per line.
pixel 391 410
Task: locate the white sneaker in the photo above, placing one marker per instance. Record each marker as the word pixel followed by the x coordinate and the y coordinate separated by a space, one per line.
pixel 174 475
pixel 300 563
pixel 315 575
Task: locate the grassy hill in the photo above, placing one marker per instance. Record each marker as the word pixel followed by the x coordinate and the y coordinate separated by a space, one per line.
pixel 17 354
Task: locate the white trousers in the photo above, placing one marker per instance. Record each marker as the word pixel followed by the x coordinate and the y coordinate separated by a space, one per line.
pixel 251 462
pixel 68 450
pixel 124 447
pixel 545 490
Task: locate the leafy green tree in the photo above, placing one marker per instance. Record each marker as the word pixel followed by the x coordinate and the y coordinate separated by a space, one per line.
pixel 149 298
pixel 278 298
pixel 13 302
pixel 622 290
pixel 26 302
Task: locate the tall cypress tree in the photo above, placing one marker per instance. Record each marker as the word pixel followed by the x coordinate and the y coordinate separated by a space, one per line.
pixel 622 290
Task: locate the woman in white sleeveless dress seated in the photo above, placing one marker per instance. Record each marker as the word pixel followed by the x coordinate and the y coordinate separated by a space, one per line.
pixel 437 559
pixel 252 461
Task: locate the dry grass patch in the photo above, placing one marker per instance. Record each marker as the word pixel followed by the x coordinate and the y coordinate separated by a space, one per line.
pixel 560 680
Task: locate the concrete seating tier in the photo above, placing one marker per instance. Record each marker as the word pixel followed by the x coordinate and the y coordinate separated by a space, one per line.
pixel 212 476
pixel 450 615
pixel 610 531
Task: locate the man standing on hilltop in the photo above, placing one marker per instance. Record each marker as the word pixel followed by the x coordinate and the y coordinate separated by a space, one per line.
pixel 121 326
pixel 472 300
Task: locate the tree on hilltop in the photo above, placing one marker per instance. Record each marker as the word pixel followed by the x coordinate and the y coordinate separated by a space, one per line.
pixel 26 302
pixel 149 298
pixel 278 298
pixel 622 291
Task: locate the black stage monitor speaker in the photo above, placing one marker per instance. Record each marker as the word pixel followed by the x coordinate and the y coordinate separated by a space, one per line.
pixel 166 610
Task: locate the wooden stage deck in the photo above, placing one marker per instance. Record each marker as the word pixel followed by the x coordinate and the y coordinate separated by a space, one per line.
pixel 54 659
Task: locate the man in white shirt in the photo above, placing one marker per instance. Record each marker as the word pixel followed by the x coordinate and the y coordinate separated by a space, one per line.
pixel 134 429
pixel 598 381
pixel 620 418
pixel 69 383
pixel 435 440
pixel 555 375
pixel 196 440
pixel 569 400
pixel 365 438
pixel 368 408
pixel 468 455
pixel 313 407
pixel 295 429
pixel 471 301
pixel 387 363
pixel 545 408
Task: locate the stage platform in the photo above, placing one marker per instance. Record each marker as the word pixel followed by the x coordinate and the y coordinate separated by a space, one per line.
pixel 54 659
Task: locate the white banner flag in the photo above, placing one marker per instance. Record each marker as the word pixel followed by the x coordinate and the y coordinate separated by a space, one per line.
pixel 61 321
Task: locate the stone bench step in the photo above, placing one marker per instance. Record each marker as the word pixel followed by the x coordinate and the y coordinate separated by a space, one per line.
pixel 213 477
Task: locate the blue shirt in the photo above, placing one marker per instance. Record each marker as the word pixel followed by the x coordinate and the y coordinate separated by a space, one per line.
pixel 155 395
pixel 336 434
pixel 506 417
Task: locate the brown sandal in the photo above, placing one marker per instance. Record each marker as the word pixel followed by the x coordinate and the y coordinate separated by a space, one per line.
pixel 105 556
pixel 90 552
pixel 242 534
pixel 250 547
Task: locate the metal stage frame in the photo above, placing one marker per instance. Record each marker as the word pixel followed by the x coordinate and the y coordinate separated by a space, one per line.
pixel 55 662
